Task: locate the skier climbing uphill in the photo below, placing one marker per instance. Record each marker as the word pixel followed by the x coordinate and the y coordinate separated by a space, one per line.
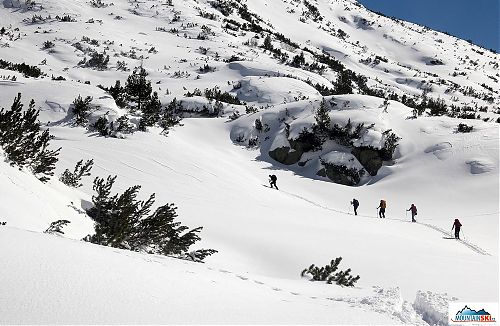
pixel 272 181
pixel 382 206
pixel 457 225
pixel 413 210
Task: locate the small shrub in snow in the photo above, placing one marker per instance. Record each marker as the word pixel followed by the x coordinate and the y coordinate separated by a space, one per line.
pixel 48 45
pixel 24 142
pixel 81 110
pixel 73 179
pixel 462 127
pixel 122 221
pixel 56 227
pixel 330 275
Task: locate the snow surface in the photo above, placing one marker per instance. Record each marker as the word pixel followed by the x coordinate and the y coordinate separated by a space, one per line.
pixel 265 238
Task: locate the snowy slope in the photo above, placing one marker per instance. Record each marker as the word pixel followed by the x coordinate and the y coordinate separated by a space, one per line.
pixel 265 237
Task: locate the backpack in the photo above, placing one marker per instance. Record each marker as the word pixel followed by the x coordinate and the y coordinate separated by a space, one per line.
pixel 383 204
pixel 273 178
pixel 355 203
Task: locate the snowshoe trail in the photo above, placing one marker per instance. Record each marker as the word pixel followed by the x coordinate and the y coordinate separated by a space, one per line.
pixel 468 244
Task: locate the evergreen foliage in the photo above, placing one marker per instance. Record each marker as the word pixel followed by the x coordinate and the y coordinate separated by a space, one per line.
pixel 123 125
pixel 340 173
pixel 309 140
pixel 390 144
pixel 74 178
pixel 150 112
pixel 216 94
pixel 138 87
pixel 298 60
pixel 56 227
pixel 462 127
pixel 101 126
pixel 25 69
pixel 81 110
pixel 322 117
pixel 23 141
pixel 268 45
pixel 330 275
pixel 123 221
pixel 343 85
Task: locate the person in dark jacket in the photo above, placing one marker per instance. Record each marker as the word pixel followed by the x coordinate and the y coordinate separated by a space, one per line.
pixel 355 204
pixel 382 206
pixel 413 210
pixel 457 225
pixel 272 181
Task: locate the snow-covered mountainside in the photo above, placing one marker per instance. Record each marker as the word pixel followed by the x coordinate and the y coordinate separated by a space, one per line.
pixel 337 101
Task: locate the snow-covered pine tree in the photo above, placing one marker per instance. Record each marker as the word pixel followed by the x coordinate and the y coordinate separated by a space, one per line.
pixel 138 87
pixel 74 178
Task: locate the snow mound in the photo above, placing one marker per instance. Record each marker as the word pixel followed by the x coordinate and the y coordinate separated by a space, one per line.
pixel 274 90
pixel 481 165
pixel 433 307
pixel 341 158
pixel 442 150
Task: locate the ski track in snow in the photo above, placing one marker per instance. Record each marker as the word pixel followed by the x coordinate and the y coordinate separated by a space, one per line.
pixel 173 170
pixel 468 244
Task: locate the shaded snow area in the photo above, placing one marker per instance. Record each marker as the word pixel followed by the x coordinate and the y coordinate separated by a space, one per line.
pixel 215 165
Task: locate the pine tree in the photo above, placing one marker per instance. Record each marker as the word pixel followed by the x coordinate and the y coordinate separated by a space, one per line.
pixel 138 87
pixel 322 117
pixel 23 141
pixel 343 85
pixel 73 179
pixel 56 227
pixel 81 110
pixel 150 112
pixel 123 125
pixel 267 43
pixel 122 221
pixel 329 274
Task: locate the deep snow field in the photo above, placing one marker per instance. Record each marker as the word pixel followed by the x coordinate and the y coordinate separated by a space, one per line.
pixel 264 237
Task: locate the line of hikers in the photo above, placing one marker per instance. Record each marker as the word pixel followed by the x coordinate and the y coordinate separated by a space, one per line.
pixel 413 209
pixel 381 208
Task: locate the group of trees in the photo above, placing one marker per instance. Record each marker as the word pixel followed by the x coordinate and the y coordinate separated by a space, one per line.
pixel 138 97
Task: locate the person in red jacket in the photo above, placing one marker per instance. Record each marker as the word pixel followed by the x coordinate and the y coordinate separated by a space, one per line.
pixel 413 210
pixel 457 225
